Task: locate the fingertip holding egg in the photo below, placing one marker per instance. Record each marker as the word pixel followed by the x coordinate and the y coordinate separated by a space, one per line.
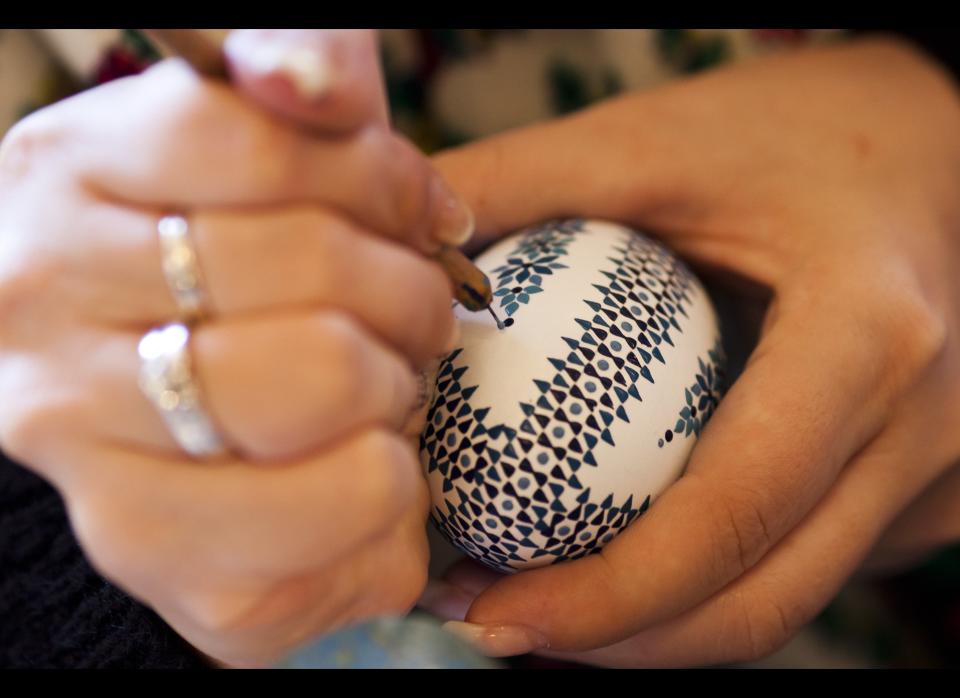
pixel 498 640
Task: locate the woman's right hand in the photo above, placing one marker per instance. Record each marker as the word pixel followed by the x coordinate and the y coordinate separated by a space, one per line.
pixel 322 312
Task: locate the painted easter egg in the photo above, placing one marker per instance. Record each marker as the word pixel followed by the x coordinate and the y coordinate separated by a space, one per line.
pixel 551 435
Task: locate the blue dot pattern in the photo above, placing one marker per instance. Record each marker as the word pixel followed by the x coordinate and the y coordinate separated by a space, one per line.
pixel 647 291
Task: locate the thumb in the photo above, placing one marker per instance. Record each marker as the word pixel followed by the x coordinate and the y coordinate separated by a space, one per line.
pixel 583 165
pixel 327 79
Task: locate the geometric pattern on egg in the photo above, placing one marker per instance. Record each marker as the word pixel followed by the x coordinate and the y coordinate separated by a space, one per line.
pixel 547 438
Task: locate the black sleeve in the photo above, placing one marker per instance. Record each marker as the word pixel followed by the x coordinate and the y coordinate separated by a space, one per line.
pixel 55 610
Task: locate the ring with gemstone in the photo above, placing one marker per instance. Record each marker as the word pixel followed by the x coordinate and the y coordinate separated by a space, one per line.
pixel 181 266
pixel 168 381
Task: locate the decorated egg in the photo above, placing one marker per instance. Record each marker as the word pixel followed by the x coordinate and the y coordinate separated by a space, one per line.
pixel 547 437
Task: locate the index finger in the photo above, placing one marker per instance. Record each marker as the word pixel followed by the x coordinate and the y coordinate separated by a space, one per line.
pixel 198 144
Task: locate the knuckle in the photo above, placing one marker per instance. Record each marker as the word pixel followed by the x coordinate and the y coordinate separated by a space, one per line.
pixel 430 319
pixel 765 629
pixel 919 333
pixel 186 101
pixel 25 279
pixel 327 240
pixel 106 534
pixel 29 140
pixel 349 351
pixel 275 150
pixel 391 473
pixel 744 533
pixel 899 316
pixel 28 431
pixel 347 255
pixel 298 407
pixel 23 431
pixel 907 332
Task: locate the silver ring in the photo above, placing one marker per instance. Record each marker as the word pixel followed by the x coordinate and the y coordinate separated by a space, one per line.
pixel 166 378
pixel 181 266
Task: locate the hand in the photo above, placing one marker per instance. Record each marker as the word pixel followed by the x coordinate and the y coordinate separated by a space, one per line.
pixel 322 311
pixel 929 523
pixel 825 182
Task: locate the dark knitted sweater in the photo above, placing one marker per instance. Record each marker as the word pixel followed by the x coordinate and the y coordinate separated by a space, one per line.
pixel 55 610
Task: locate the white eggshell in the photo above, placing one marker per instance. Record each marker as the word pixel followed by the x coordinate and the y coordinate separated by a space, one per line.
pixel 548 437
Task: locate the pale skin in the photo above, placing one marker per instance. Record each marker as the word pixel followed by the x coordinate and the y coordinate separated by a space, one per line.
pixel 323 310
pixel 823 182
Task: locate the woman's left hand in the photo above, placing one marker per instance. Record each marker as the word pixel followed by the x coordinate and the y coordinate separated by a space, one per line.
pixel 825 182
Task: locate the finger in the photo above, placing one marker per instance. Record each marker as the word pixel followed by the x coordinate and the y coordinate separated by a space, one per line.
pixel 600 163
pixel 268 259
pixel 200 144
pixel 762 610
pixel 930 522
pixel 181 523
pixel 250 623
pixel 450 597
pixel 276 387
pixel 325 79
pixel 493 175
pixel 393 571
pixel 773 448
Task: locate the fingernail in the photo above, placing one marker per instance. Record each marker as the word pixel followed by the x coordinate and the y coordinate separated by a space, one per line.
pixel 455 222
pixel 306 68
pixel 498 640
pixel 453 341
pixel 445 600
